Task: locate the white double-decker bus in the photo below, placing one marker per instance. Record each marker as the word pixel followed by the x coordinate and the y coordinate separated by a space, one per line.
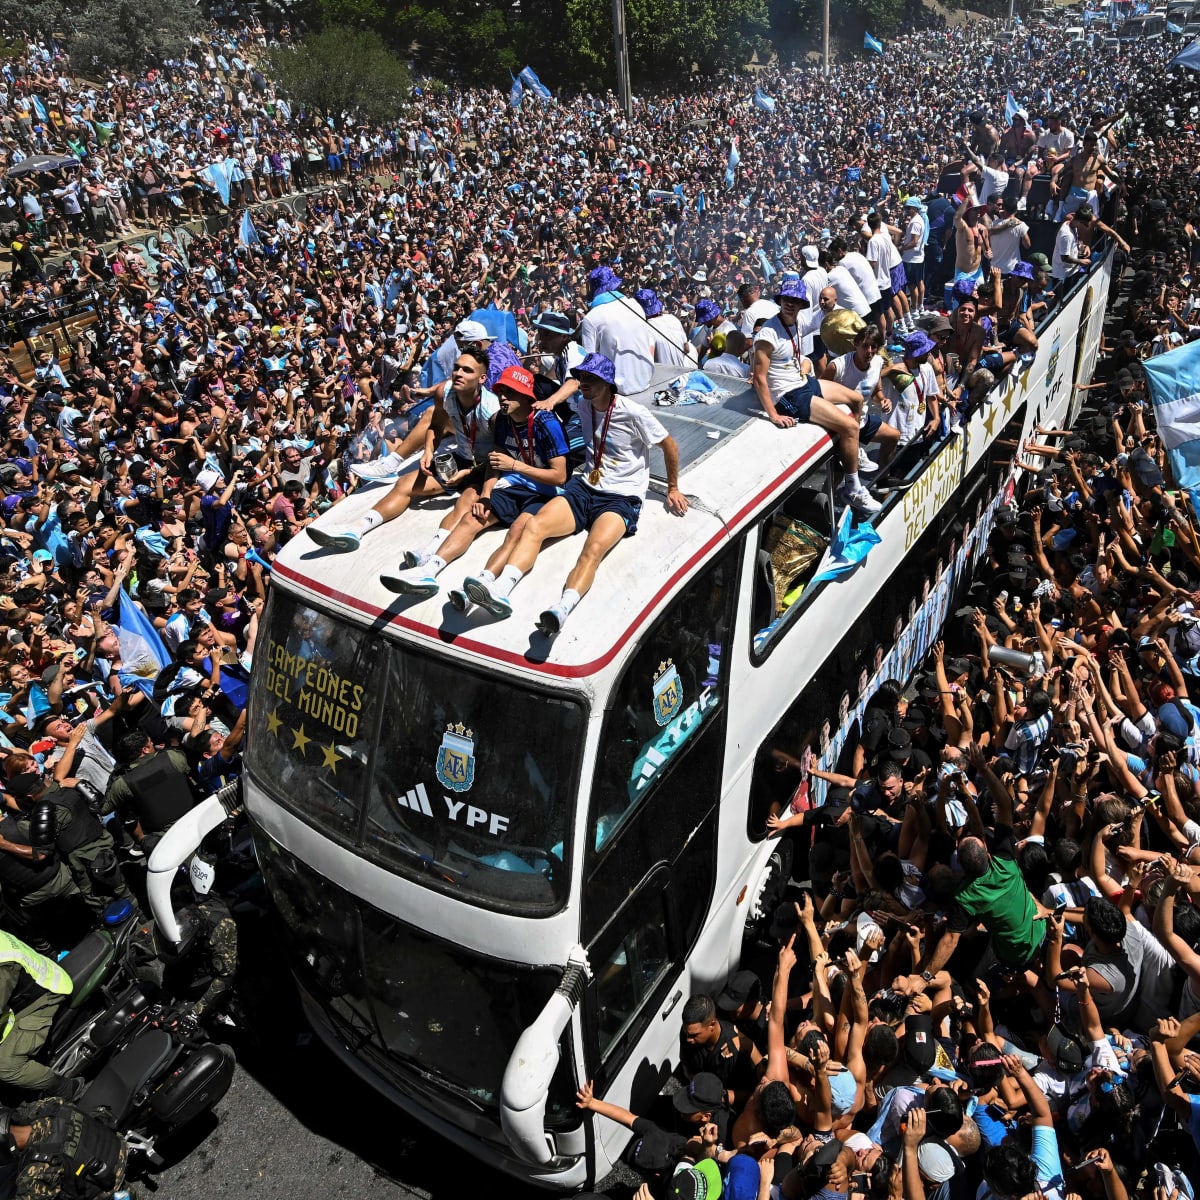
pixel 502 863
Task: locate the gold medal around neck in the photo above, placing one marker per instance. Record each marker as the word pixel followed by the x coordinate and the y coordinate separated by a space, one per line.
pixel 594 476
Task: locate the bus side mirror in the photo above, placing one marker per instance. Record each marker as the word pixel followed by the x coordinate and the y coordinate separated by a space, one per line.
pixel 532 1064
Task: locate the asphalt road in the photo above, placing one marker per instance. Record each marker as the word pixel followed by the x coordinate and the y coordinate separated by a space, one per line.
pixel 298 1125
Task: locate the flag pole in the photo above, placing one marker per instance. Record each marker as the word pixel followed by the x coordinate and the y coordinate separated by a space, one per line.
pixel 621 43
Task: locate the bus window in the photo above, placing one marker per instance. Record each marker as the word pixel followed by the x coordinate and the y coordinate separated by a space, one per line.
pixel 791 542
pixel 474 782
pixel 673 687
pixel 312 714
pixel 629 975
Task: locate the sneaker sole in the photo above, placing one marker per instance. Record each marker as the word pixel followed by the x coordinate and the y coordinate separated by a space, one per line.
pixel 405 587
pixel 410 560
pixel 459 601
pixel 333 541
pixel 495 605
pixel 549 624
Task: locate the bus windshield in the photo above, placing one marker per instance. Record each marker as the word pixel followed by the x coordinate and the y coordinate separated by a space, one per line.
pixel 463 781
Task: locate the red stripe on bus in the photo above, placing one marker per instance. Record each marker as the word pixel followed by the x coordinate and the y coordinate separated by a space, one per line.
pixel 519 660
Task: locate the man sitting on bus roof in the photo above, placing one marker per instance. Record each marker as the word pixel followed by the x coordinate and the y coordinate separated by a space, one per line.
pixel 791 394
pixel 606 500
pixel 527 467
pixel 463 409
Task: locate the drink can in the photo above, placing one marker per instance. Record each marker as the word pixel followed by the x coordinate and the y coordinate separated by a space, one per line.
pixel 444 466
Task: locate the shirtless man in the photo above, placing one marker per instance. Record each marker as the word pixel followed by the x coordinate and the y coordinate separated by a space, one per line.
pixel 1079 182
pixel 967 342
pixel 970 239
pixel 772 1107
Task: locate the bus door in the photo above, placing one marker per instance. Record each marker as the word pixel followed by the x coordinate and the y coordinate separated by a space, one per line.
pixel 651 851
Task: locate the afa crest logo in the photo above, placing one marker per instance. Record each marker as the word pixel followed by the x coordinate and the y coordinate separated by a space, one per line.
pixel 668 692
pixel 455 767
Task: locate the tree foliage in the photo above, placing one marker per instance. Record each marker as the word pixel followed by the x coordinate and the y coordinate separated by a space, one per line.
pixel 343 70
pixel 129 35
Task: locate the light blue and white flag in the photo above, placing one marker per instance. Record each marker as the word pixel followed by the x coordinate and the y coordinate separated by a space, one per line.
pixel 1188 57
pixel 132 619
pixel 1173 28
pixel 872 43
pixel 247 234
pixel 529 79
pixel 849 548
pixel 515 93
pixel 731 164
pixel 218 175
pixel 884 186
pixel 1011 107
pixel 763 101
pixel 1174 381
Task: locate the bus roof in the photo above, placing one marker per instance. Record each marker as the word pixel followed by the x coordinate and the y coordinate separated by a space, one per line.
pixel 732 461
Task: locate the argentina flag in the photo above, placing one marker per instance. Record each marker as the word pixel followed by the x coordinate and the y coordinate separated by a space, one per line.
pixel 1174 381
pixel 872 43
pixel 731 164
pixel 529 79
pixel 516 92
pixel 763 101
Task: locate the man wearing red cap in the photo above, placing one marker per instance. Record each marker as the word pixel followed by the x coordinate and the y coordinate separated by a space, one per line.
pixel 526 467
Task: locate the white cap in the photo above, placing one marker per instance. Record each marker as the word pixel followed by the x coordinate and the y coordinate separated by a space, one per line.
pixel 472 331
pixel 207 479
pixel 812 256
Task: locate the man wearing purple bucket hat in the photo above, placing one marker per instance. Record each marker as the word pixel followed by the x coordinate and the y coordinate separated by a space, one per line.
pixel 671 343
pixel 791 394
pixel 616 328
pixel 606 499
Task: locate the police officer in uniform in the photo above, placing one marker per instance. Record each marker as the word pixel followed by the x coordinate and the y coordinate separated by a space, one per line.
pixel 32 989
pixel 152 791
pixel 62 1152
pixel 79 839
pixel 38 889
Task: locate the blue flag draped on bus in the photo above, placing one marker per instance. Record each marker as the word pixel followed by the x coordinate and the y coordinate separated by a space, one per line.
pixel 529 79
pixel 247 234
pixel 1174 381
pixel 850 547
pixel 1173 28
pixel 731 164
pixel 763 101
pixel 872 43
pixel 1188 57
pixel 516 92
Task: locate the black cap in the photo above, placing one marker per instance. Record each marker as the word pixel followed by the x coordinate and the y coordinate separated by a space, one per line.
pixel 703 1094
pixel 655 1149
pixel 742 985
pixel 24 784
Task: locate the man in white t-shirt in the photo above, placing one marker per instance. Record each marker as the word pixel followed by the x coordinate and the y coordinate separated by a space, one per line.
pixel 849 294
pixel 816 277
pixel 1008 236
pixel 671 343
pixel 725 355
pixel 790 393
pixel 882 254
pixel 861 369
pixel 911 386
pixel 863 274
pixel 1057 143
pixel 606 499
pixel 912 251
pixel 1069 255
pixel 755 308
pixel 616 327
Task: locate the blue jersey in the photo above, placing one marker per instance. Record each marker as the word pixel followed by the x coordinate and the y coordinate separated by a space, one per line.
pixel 548 442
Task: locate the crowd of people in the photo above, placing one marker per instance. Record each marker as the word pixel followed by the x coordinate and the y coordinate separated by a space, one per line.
pixel 972 992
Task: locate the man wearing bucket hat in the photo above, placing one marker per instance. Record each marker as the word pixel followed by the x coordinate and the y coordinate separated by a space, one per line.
pixel 616 328
pixel 671 343
pixel 790 392
pixel 606 500
pixel 525 469
pixel 912 387
pixel 708 321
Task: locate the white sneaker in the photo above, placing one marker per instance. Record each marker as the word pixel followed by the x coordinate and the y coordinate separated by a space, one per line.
pixel 865 464
pixel 381 470
pixel 413 558
pixel 478 590
pixel 335 539
pixel 551 621
pixel 459 600
pixel 415 581
pixel 862 501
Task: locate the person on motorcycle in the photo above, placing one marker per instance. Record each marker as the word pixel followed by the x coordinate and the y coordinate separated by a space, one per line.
pixel 32 989
pixel 61 1152
pixel 75 834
